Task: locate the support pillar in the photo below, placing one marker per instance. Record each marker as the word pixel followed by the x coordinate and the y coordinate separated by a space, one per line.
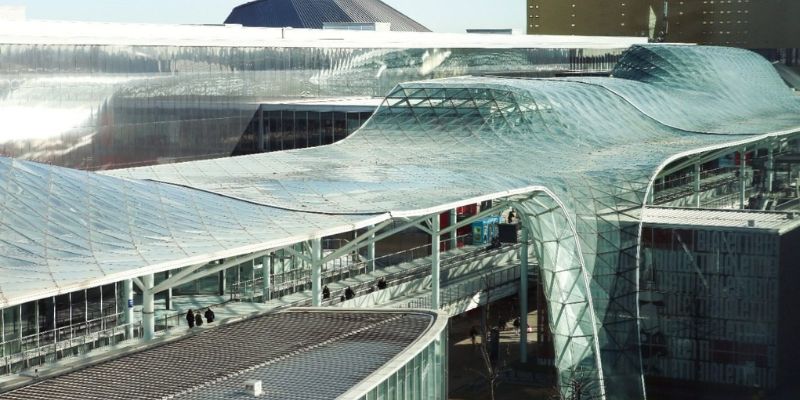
pixel 435 262
pixel 770 167
pixel 454 232
pixel 316 272
pixel 127 294
pixel 371 250
pixel 266 281
pixel 742 179
pixel 148 308
pixel 523 295
pixel 222 283
pixel 168 294
pixel 260 139
pixel 696 177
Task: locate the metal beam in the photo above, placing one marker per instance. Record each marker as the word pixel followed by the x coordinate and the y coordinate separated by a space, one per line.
pixel 435 262
pixel 316 272
pixel 742 180
pixel 297 254
pixel 371 251
pixel 424 229
pixel 696 177
pixel 266 279
pixel 148 308
pixel 127 294
pixel 523 295
pixel 770 167
pixel 369 235
pixel 139 283
pixel 186 275
pixel 453 234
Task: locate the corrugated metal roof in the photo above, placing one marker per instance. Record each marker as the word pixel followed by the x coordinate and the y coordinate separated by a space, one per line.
pixel 768 220
pixel 336 351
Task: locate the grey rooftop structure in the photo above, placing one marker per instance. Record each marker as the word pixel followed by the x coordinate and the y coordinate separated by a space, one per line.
pixel 314 14
pixel 337 351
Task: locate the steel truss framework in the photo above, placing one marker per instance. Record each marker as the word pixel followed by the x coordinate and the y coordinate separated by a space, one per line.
pixel 582 151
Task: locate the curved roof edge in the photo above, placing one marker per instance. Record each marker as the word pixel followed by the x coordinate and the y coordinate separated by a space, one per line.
pixel 432 334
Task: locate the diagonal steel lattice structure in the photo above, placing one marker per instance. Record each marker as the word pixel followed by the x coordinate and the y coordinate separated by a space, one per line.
pixel 577 156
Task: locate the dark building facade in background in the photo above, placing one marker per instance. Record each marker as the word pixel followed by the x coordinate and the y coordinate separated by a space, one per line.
pixel 313 14
pixel 753 24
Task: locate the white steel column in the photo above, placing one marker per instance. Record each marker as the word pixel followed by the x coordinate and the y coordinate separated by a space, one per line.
pixel 266 281
pixel 127 294
pixel 697 185
pixel 168 298
pixel 435 262
pixel 148 307
pixel 523 295
pixel 770 166
pixel 742 180
pixel 316 272
pixel 454 233
pixel 371 250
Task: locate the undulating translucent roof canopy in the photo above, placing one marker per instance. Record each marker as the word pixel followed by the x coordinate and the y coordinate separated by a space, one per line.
pixel 591 146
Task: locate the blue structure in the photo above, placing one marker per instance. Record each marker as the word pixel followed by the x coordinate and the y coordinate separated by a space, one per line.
pixel 485 230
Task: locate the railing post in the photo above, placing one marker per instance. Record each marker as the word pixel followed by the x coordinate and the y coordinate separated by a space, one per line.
pixel 435 262
pixel 316 269
pixel 523 296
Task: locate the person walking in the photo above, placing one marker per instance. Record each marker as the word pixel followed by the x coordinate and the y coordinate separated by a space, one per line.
pixel 209 315
pixel 190 319
pixel 516 326
pixel 198 319
pixel 326 293
pixel 473 334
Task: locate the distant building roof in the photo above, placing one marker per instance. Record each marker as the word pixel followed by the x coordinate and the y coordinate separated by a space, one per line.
pixel 780 222
pixel 492 31
pixel 314 13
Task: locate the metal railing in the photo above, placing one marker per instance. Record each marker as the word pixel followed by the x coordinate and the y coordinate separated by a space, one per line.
pixel 479 282
pixel 74 340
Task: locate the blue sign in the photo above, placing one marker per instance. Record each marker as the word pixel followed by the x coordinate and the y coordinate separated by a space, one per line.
pixel 130 303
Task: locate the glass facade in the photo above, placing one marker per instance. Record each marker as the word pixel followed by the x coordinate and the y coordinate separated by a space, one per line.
pixel 710 305
pixel 422 378
pixel 112 106
pixel 55 327
pixel 277 130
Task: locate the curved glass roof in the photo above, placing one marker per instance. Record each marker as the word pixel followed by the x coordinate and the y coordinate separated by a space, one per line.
pixel 592 145
pixel 432 143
